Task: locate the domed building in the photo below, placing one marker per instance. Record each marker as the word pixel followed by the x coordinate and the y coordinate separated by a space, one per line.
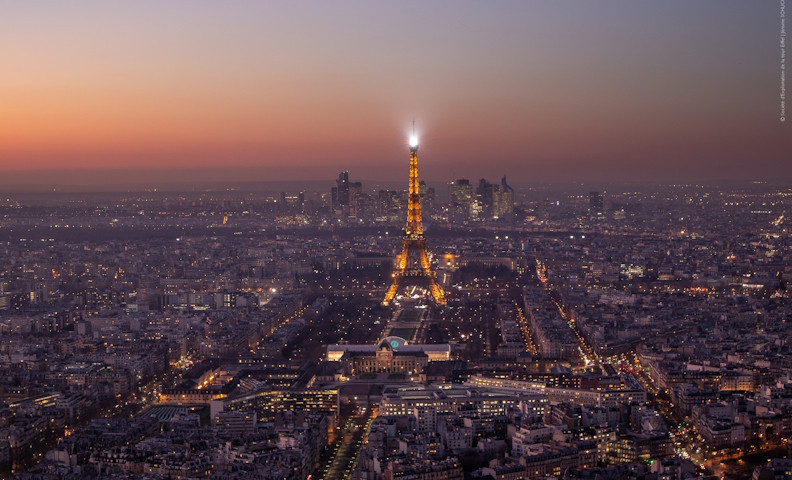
pixel 392 358
pixel 389 355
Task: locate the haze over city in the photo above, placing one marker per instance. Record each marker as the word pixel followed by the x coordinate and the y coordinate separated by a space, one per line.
pixel 98 93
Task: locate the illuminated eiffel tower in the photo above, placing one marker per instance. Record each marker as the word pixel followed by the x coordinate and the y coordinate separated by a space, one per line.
pixel 412 264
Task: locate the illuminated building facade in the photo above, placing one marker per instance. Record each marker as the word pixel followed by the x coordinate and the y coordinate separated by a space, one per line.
pixel 413 264
pixel 446 398
pixel 460 194
pixel 391 354
pixel 604 396
pixel 386 359
pixel 267 403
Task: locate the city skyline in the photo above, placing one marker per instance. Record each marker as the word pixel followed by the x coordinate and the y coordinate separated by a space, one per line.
pixel 223 261
pixel 542 92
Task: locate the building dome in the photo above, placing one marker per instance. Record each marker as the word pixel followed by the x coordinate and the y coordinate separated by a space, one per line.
pixel 393 343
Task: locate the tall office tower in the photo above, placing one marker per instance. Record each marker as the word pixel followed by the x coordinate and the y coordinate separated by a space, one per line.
pixel 494 201
pixel 427 197
pixel 596 204
pixel 502 200
pixel 343 188
pixel 354 199
pixel 355 190
pixel 460 195
pixel 484 197
pixel 412 264
pixel 389 204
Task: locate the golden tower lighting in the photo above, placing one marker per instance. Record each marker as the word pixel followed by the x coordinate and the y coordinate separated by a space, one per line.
pixel 412 264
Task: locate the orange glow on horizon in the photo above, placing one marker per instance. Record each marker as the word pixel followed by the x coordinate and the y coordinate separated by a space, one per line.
pixel 535 92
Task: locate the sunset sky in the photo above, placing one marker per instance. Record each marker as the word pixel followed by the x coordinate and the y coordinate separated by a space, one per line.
pixel 577 90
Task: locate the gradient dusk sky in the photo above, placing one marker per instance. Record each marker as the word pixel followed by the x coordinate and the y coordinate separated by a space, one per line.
pixel 552 90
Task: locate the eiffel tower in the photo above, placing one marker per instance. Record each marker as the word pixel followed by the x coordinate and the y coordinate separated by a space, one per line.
pixel 412 264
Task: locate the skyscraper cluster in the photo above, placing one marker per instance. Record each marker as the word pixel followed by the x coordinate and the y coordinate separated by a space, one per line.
pixel 489 201
pixel 347 197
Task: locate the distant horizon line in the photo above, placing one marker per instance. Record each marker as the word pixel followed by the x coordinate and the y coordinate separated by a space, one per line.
pixel 169 178
pixel 187 185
